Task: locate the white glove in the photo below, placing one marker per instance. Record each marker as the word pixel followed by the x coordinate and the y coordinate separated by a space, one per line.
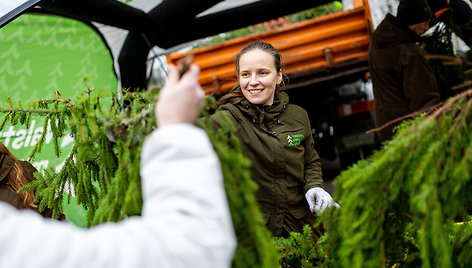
pixel 318 200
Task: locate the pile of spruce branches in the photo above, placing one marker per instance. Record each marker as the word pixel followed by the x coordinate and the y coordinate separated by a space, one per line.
pixel 102 169
pixel 409 203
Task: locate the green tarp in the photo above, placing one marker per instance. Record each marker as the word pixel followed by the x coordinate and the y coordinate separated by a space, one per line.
pixel 40 54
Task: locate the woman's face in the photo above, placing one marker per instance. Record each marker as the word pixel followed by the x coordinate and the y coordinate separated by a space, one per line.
pixel 258 76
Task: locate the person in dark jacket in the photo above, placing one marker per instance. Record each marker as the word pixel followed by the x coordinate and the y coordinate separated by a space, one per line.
pixel 276 136
pixel 15 174
pixel 403 82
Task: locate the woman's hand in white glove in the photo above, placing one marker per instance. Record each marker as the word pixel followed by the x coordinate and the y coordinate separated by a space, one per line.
pixel 318 200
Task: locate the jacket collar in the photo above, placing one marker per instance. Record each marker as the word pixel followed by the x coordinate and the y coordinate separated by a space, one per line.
pixel 260 114
pixel 258 111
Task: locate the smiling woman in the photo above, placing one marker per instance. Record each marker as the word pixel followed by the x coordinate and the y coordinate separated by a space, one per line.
pixel 276 136
pixel 265 62
pixel 258 76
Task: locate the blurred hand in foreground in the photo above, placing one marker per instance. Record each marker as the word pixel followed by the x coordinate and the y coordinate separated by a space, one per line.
pixel 181 99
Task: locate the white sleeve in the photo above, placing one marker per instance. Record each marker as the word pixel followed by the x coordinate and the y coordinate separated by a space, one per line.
pixel 185 220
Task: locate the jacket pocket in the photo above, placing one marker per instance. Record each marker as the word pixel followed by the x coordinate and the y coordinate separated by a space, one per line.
pixel 299 212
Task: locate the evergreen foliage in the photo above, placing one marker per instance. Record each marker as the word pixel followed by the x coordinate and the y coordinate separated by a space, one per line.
pixel 103 166
pixel 400 206
pixel 407 205
pixel 300 250
pixel 102 170
pixel 314 12
pixel 449 68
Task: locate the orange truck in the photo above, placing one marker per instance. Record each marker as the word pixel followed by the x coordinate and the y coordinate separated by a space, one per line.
pixel 326 61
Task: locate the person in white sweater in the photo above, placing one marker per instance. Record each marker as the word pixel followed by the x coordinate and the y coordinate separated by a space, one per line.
pixel 185 220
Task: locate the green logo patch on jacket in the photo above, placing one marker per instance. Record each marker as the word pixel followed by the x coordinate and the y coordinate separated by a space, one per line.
pixel 294 139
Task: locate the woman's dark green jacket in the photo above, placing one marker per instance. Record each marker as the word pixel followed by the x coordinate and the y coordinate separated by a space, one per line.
pixel 278 140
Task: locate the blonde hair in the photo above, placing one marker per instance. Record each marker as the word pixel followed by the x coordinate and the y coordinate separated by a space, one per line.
pixel 17 179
